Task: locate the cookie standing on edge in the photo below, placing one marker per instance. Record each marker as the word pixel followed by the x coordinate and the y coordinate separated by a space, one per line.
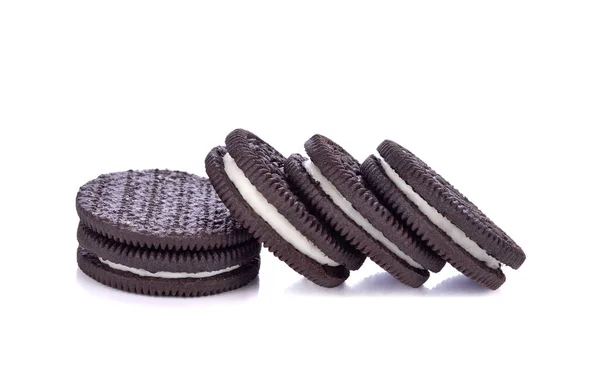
pixel 249 177
pixel 162 232
pixel 332 177
pixel 458 231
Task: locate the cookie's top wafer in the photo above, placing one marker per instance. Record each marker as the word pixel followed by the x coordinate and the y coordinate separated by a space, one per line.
pixel 158 208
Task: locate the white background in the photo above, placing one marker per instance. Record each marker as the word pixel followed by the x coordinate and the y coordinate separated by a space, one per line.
pixel 502 99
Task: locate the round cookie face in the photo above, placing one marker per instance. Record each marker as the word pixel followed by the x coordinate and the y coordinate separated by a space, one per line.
pixel 153 260
pixel 404 209
pixel 139 282
pixel 446 207
pixel 312 193
pixel 159 209
pixel 250 180
pixel 343 171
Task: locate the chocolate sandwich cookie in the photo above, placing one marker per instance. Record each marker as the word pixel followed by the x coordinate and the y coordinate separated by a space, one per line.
pixel 331 180
pixel 453 226
pixel 161 232
pixel 248 174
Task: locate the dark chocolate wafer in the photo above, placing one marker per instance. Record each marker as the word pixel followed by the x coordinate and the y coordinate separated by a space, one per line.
pixel 249 177
pixel 160 209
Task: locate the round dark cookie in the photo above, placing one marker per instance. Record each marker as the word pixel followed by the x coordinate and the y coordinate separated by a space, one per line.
pixel 441 195
pixel 263 166
pixel 188 287
pixel 343 171
pixel 313 195
pixel 159 209
pixel 404 209
pixel 154 260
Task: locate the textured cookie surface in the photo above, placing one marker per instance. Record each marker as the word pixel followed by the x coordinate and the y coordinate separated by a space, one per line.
pixel 158 208
pixel 94 268
pixel 343 171
pixel 311 193
pixel 154 260
pixel 440 242
pixel 263 167
pixel 448 201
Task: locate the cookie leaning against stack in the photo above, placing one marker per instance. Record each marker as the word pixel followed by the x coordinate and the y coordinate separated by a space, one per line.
pixel 161 232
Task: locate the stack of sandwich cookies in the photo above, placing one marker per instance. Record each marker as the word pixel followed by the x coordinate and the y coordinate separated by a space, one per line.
pixel 453 226
pixel 332 177
pixel 248 174
pixel 162 232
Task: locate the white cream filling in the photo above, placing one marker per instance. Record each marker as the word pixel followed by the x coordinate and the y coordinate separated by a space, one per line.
pixel 457 235
pixel 346 207
pixel 166 274
pixel 269 213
